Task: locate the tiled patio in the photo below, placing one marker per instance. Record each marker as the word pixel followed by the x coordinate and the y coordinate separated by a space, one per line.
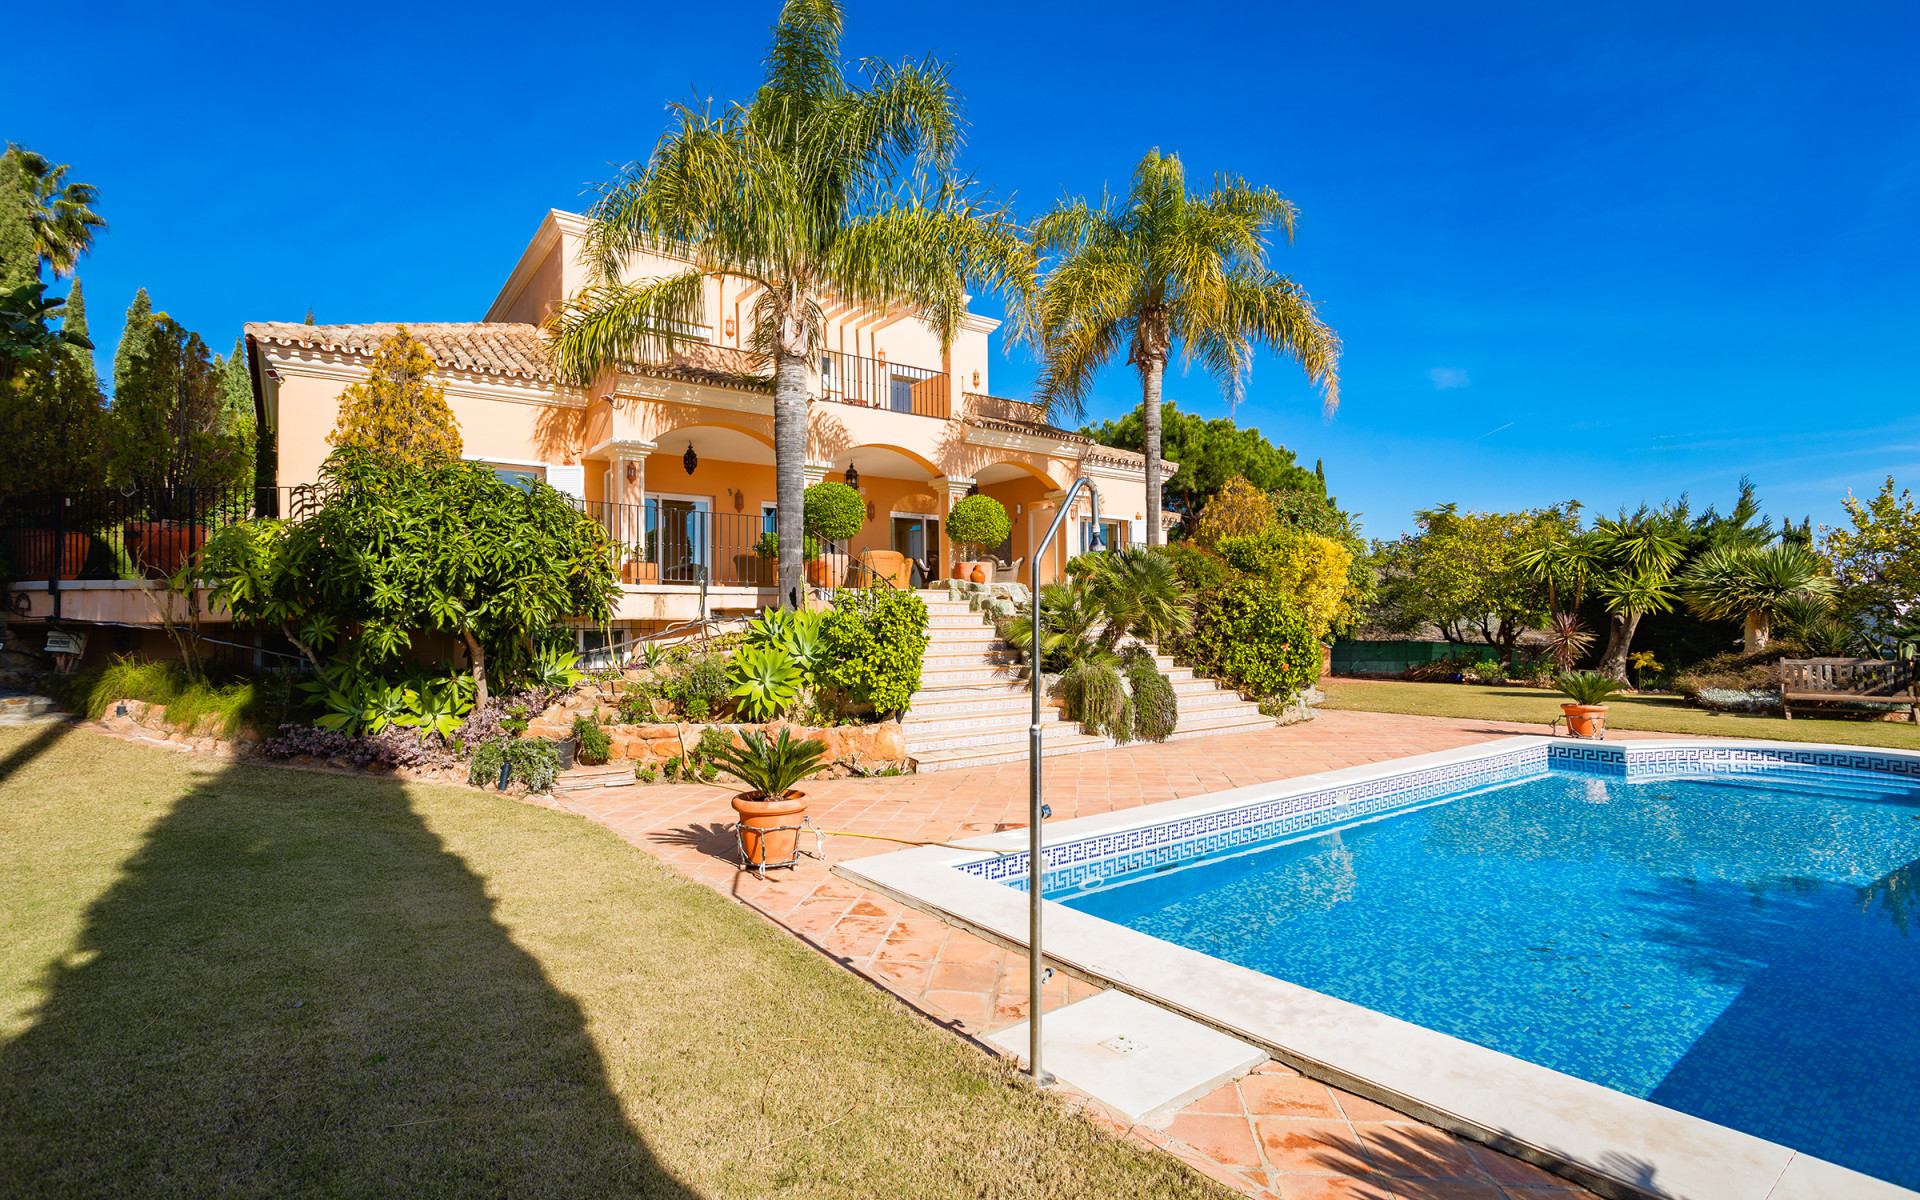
pixel 1273 1133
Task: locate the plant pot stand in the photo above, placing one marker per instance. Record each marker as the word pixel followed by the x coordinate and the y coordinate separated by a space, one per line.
pixel 1587 722
pixel 768 833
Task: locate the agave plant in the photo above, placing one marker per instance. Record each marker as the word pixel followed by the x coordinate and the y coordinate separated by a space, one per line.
pixel 440 706
pixel 769 768
pixel 765 680
pixel 1587 687
pixel 554 667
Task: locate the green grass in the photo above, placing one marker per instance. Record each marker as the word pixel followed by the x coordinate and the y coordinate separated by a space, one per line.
pixel 241 980
pixel 1661 714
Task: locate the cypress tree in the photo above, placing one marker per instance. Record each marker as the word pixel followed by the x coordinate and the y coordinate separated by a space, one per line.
pixel 236 406
pixel 19 260
pixel 76 322
pixel 133 339
pixel 1320 473
pixel 309 315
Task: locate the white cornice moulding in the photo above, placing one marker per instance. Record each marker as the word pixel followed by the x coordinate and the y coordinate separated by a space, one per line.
pixel 674 391
pixel 334 366
pixel 625 447
pixel 995 439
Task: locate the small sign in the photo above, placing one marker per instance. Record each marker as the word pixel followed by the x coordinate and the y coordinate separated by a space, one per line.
pixel 59 641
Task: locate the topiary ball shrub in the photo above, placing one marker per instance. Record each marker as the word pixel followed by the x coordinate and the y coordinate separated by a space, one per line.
pixel 1251 636
pixel 833 511
pixel 980 523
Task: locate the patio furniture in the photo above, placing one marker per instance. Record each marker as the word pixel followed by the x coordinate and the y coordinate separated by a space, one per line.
pixel 1848 680
pixel 1005 573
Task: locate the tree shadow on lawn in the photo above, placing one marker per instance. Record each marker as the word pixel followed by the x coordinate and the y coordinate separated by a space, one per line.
pixel 294 988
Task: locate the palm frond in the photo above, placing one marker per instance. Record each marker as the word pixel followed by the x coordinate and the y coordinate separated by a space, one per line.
pixel 611 325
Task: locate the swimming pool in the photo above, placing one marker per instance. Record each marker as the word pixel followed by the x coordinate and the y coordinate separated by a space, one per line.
pixel 1744 948
pixel 1673 968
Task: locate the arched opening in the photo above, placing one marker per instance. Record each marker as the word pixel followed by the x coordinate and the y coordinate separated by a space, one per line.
pixel 904 507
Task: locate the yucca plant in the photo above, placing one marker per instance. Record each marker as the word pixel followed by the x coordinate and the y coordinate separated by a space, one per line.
pixel 1587 687
pixel 770 768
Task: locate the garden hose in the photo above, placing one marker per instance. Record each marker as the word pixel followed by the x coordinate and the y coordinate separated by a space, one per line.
pixel 881 837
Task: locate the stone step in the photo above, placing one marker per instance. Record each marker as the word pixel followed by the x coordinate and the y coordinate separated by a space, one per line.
pixel 956 676
pixel 961 758
pixel 1213 726
pixel 1015 735
pixel 22 709
pixel 580 779
pixel 938 703
pixel 917 729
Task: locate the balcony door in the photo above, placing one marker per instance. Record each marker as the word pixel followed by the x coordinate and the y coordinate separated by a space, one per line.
pixel 679 536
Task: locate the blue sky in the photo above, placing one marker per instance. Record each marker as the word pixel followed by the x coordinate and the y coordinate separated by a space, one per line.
pixel 1613 252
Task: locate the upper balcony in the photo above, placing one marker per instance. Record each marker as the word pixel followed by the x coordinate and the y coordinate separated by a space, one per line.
pixel 877 383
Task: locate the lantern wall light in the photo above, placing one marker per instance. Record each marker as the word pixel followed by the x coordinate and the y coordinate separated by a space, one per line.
pixel 690 460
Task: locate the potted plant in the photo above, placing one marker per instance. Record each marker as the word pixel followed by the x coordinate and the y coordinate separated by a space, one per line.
pixel 1588 691
pixel 767 551
pixel 977 524
pixel 770 809
pixel 833 512
pixel 639 567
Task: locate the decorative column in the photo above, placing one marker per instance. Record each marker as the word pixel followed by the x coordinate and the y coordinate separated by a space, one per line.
pixel 951 489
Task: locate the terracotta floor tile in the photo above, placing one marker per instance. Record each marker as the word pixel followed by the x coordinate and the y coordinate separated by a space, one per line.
pixel 1311 1147
pixel 1508 1170
pixel 971 977
pixel 1284 1096
pixel 1223 1099
pixel 1225 1139
pixel 911 951
pixel 1329 1187
pixel 1418 1152
pixel 1359 1108
pixel 1445 1189
pixel 908 977
pixel 968 1006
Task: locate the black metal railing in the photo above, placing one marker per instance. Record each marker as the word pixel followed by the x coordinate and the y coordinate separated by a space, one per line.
pixel 129 533
pixel 877 383
pixel 676 541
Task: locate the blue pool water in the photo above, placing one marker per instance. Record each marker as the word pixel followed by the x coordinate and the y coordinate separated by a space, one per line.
pixel 1742 948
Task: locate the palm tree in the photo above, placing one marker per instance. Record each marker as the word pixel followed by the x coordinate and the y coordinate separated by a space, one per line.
pixel 1754 585
pixel 814 192
pixel 1634 556
pixel 59 213
pixel 1162 268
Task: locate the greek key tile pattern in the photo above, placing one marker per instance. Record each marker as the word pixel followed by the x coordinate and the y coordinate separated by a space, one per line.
pixel 1070 864
pixel 1087 860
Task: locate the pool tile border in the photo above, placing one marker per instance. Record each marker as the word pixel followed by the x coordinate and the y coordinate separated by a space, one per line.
pixel 1617 1145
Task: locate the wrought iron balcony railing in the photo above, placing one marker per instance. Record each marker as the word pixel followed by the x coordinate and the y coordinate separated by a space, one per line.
pixel 877 383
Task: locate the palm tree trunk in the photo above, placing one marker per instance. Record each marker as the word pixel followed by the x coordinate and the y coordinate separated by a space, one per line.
pixel 1620 629
pixel 789 472
pixel 1153 369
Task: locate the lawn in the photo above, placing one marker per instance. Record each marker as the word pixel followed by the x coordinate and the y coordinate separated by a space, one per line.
pixel 241 980
pixel 1662 714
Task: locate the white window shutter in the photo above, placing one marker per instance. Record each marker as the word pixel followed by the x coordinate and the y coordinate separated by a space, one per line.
pixel 571 480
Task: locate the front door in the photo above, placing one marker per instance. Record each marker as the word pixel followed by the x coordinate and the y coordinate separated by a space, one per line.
pixel 919 539
pixel 678 537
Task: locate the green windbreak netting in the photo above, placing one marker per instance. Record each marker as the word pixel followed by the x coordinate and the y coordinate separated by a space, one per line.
pixel 1391 658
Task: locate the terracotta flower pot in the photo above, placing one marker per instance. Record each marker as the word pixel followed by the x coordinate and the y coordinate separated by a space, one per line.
pixel 159 547
pixel 780 819
pixel 817 572
pixel 981 575
pixel 1585 720
pixel 961 572
pixel 640 572
pixel 31 552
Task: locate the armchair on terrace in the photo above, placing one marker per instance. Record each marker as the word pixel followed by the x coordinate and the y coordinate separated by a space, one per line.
pixel 1004 573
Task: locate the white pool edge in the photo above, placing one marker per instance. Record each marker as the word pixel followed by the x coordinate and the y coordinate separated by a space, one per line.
pixel 1618 1145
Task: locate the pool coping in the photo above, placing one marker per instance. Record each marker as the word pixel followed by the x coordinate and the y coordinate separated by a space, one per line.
pixel 1617 1145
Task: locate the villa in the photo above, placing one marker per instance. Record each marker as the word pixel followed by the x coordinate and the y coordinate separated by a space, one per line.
pixel 676 457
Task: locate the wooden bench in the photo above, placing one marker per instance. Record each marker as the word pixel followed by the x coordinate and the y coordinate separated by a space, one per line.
pixel 1836 680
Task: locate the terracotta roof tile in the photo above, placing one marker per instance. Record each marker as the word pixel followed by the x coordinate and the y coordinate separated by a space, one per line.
pixel 489 348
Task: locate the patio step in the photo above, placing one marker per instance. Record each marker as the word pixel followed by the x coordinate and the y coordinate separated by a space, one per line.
pixel 27 709
pixel 962 758
pixel 581 779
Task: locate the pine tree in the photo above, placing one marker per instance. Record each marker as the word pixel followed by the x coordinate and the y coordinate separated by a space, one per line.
pixel 19 260
pixel 133 339
pixel 399 412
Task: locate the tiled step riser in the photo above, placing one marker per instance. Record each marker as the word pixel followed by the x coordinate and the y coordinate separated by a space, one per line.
pixel 1003 723
pixel 936 706
pixel 957 678
pixel 962 761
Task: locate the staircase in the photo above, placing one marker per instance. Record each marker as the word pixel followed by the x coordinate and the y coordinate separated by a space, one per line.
pixel 972 710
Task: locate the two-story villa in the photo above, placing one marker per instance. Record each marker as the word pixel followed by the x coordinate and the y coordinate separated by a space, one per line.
pixel 676 457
